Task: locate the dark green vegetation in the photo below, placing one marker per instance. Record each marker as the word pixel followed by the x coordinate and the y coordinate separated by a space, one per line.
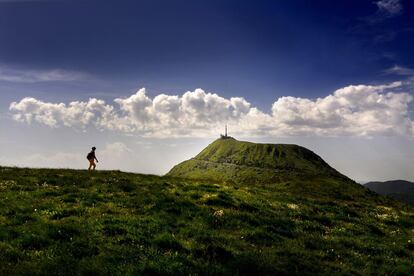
pixel 398 189
pixel 230 160
pixel 310 220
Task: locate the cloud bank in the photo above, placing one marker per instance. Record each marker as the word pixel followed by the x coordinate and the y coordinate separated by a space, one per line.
pixel 355 110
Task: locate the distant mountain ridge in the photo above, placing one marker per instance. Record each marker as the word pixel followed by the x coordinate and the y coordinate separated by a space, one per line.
pixel 240 161
pixel 399 189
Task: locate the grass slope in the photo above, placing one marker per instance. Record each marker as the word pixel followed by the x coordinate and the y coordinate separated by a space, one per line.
pixel 230 160
pixel 110 222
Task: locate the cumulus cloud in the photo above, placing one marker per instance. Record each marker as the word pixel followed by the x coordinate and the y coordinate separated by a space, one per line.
pixel 355 110
pixel 76 114
pixel 175 115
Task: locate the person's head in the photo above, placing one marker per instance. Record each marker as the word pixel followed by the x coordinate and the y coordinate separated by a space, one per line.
pixel 93 148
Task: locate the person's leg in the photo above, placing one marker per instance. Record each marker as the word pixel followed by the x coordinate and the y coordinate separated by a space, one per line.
pixel 91 164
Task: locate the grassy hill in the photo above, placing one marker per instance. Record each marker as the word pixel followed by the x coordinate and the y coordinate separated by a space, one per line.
pixel 398 189
pixel 230 160
pixel 236 208
pixel 109 222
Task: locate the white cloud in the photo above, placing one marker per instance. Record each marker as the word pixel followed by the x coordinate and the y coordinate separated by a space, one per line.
pixel 10 74
pixel 75 114
pixel 195 111
pixel 116 149
pixel 385 9
pixel 355 110
pixel 400 70
pixel 391 7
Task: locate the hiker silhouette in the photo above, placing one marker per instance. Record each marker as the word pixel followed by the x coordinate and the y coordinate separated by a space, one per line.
pixel 91 158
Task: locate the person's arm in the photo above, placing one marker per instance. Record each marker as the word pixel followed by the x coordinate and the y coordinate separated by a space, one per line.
pixel 96 160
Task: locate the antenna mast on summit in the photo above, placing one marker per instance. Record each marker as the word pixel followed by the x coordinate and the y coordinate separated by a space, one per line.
pixel 222 136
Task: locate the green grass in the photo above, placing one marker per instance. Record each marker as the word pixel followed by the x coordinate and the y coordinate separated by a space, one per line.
pixel 230 160
pixel 109 222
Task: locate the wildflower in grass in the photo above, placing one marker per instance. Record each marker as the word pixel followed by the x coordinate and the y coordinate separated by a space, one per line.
pixel 293 206
pixel 218 213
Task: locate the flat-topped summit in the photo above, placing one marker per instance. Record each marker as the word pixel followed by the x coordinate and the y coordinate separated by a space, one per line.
pixel 231 160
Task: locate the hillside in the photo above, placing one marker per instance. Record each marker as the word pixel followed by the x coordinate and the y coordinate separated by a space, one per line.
pixel 230 160
pixel 109 222
pixel 398 189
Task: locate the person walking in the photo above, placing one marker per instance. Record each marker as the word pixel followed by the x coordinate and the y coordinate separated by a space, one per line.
pixel 91 158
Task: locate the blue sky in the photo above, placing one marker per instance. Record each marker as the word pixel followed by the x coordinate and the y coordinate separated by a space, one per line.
pixel 272 47
pixel 57 52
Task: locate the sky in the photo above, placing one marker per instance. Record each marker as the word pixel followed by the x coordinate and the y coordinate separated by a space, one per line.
pixel 151 83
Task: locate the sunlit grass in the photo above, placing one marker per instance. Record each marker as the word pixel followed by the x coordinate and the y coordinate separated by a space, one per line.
pixel 109 222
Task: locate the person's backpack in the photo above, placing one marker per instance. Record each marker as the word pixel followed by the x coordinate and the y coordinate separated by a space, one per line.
pixel 89 156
